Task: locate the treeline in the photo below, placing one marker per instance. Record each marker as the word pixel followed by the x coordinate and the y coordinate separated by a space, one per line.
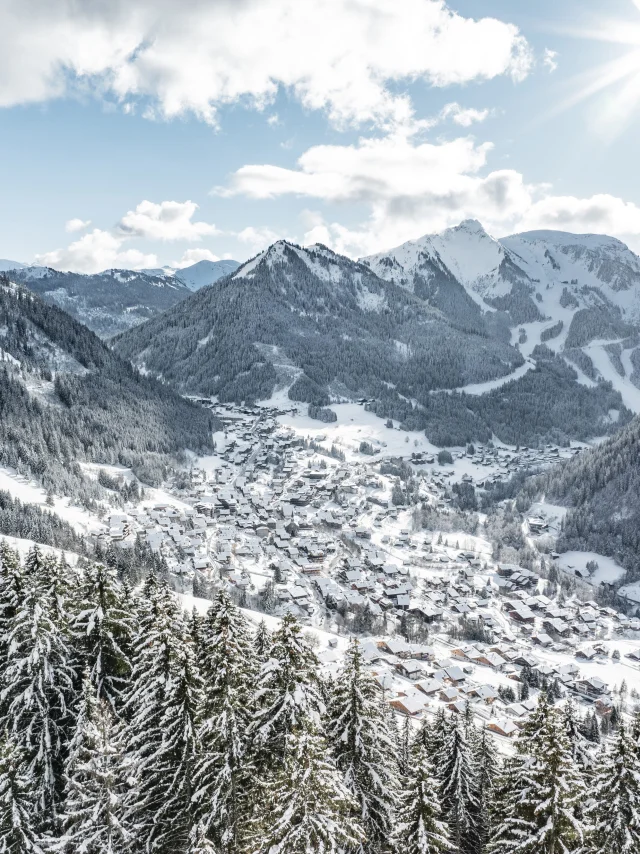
pixel 30 522
pixel 127 726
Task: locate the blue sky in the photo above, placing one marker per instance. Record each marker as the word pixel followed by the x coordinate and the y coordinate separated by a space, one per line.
pixel 357 125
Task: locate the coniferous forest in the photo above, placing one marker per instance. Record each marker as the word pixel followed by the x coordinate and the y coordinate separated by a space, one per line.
pixel 131 726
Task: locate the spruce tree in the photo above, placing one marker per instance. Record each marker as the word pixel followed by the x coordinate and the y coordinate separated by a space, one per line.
pixel 307 807
pixel 487 772
pixel 458 790
pixel 288 694
pixel 172 767
pixel 229 673
pixel 540 812
pixel 358 731
pixel 616 799
pixel 419 828
pixel 12 584
pixel 104 628
pixel 93 815
pixel 37 688
pixel 152 671
pixel 199 843
pixel 17 832
pixel 262 642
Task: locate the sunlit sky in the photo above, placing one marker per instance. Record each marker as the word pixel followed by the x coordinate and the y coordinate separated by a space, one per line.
pixel 146 132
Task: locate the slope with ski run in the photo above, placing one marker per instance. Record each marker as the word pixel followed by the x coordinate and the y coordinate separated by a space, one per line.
pixel 546 263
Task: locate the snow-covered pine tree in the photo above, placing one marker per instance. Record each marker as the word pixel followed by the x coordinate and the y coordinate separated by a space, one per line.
pixel 287 694
pixel 171 769
pixel 12 584
pixel 17 833
pixel 152 670
pixel 199 843
pixel 540 813
pixel 616 799
pixel 365 753
pixel 487 771
pixel 104 628
pixel 434 736
pixel 262 642
pixel 419 828
pixel 52 576
pixel 93 813
pixel 35 696
pixel 228 664
pixel 34 561
pixel 307 808
pixel 458 790
pixel 404 754
pixel 579 744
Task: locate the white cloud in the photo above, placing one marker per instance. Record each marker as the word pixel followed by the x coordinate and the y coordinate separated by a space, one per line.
pixel 100 250
pixel 463 116
pixel 550 60
pixel 340 56
pixel 165 221
pixel 96 251
pixel 413 188
pixel 192 256
pixel 76 224
pixel 257 238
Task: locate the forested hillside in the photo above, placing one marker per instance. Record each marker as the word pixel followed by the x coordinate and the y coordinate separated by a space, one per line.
pixel 128 726
pixel 602 488
pixel 65 397
pixel 339 330
pixel 342 327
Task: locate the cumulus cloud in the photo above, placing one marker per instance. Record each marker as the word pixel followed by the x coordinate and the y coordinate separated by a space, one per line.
pixel 257 238
pixel 192 256
pixel 165 221
pixel 100 250
pixel 76 224
pixel 413 188
pixel 463 116
pixel 96 251
pixel 190 58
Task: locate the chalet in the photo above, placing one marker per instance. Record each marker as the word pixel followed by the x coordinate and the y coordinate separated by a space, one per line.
pixel 411 705
pixel 410 669
pixel 593 687
pixel 503 726
pixel 430 687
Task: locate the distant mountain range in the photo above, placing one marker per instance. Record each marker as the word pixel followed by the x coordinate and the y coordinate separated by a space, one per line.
pixel 115 300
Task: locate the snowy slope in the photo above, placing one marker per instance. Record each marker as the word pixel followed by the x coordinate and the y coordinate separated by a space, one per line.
pixel 558 260
pixel 577 293
pixel 475 259
pixel 205 273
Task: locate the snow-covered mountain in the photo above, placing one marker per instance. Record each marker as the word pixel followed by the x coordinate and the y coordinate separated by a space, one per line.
pixel 106 302
pixel 536 261
pixel 204 273
pixel 577 293
pixel 197 275
pixel 321 318
pixel 6 265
